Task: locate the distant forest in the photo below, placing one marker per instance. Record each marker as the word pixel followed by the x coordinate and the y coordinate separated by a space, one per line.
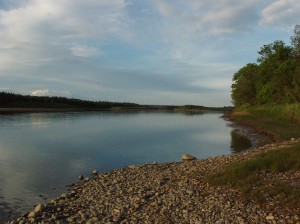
pixel 15 100
pixel 274 79
pixel 11 100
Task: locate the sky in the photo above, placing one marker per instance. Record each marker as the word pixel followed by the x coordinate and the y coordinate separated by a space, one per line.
pixel 171 52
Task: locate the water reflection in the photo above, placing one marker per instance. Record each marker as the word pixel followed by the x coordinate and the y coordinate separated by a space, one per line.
pixel 239 142
pixel 41 153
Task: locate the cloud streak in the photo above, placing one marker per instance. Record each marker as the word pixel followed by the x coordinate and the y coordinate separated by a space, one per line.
pixel 113 49
pixel 281 12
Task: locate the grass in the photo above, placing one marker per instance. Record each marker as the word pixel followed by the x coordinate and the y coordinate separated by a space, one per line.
pixel 248 176
pixel 282 122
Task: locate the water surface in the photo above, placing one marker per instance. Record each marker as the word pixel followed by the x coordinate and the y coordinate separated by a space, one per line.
pixel 41 153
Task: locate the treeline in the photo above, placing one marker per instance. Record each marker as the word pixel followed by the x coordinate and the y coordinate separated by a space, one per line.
pixel 274 79
pixel 11 100
pixel 16 100
pixel 203 108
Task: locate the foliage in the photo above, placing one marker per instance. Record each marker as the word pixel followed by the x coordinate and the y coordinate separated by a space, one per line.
pixel 275 79
pixel 247 175
pixel 11 100
pixel 245 77
pixel 296 40
pixel 16 100
pixel 279 121
pixel 196 108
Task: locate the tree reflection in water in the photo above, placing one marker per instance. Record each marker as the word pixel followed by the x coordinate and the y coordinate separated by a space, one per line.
pixel 239 142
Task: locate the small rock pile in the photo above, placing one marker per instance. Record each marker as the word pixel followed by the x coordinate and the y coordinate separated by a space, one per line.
pixel 159 193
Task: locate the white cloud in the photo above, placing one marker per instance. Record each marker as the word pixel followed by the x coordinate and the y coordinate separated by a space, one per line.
pixel 40 92
pixel 281 12
pixel 45 28
pixel 193 31
pixel 216 83
pixel 47 92
pixel 84 51
pixel 209 18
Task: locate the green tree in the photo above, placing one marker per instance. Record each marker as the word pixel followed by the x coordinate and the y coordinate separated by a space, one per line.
pixel 276 70
pixel 295 40
pixel 276 77
pixel 243 87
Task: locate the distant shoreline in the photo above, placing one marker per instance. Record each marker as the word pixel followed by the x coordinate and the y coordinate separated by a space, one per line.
pixel 10 102
pixel 35 109
pixel 113 109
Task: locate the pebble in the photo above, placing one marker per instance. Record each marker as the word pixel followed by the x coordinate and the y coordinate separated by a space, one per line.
pixel 39 208
pixel 270 217
pixel 32 215
pixel 162 193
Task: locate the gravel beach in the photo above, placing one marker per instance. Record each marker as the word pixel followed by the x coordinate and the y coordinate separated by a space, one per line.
pixel 164 193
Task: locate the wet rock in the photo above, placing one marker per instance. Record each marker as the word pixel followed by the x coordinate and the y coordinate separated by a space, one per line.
pixel 32 215
pixel 39 208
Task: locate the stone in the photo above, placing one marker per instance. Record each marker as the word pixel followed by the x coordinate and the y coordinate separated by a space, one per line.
pixel 116 211
pixel 54 216
pixel 80 177
pixel 63 196
pixel 133 166
pixel 39 208
pixel 31 215
pixel 188 157
pixel 95 172
pixel 154 204
pixel 270 217
pixel 70 220
pixel 92 221
pixel 116 218
pixel 14 222
pixel 189 192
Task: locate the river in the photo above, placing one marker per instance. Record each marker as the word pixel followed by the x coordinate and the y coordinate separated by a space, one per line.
pixel 41 153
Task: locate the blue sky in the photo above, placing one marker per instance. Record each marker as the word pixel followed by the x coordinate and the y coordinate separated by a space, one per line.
pixel 143 51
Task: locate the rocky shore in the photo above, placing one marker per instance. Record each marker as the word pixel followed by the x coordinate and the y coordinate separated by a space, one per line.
pixel 164 193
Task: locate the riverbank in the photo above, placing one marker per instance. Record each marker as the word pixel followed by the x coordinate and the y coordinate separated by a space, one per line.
pixel 169 193
pixel 280 122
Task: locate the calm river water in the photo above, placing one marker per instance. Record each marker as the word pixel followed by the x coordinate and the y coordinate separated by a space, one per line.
pixel 41 153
